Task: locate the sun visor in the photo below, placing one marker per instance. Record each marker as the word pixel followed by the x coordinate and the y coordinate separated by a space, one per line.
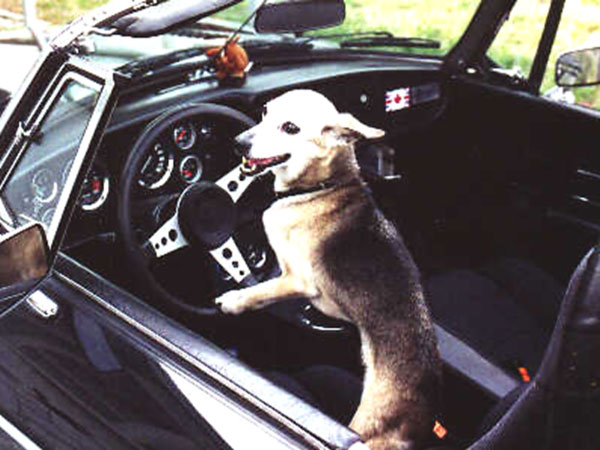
pixel 165 16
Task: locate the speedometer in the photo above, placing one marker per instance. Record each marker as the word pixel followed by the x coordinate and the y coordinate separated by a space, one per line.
pixel 157 168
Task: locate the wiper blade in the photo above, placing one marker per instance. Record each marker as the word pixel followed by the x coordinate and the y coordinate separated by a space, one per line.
pixel 143 66
pixel 390 41
pixel 259 46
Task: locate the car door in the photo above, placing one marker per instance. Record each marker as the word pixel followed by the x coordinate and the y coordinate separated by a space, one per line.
pixel 86 365
pixel 514 149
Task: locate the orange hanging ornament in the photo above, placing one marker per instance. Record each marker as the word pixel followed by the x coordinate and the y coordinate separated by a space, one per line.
pixel 231 62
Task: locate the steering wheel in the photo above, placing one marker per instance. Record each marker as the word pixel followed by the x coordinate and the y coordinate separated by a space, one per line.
pixel 205 212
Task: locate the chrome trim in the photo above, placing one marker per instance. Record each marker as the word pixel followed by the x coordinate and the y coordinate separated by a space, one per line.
pixel 84 144
pixel 57 87
pixel 198 173
pixel 274 414
pixel 42 304
pixel 17 435
pixel 103 196
pixel 587 173
pixel 5 216
pixel 235 425
pixel 166 176
pixel 587 201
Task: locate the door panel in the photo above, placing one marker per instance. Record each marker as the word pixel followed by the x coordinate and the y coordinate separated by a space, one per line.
pixel 71 381
pixel 541 157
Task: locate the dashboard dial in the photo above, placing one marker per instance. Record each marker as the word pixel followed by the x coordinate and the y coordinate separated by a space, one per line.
pixel 94 191
pixel 47 216
pixel 157 168
pixel 190 169
pixel 184 136
pixel 44 186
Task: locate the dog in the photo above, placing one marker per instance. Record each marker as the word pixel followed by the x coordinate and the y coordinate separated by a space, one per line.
pixel 335 248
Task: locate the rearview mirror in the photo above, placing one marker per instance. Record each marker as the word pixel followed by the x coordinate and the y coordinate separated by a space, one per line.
pixel 23 255
pixel 578 68
pixel 297 16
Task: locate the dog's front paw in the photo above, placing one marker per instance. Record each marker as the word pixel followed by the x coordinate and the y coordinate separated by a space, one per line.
pixel 232 302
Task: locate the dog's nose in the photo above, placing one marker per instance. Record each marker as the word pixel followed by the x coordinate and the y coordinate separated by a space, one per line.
pixel 243 142
pixel 242 147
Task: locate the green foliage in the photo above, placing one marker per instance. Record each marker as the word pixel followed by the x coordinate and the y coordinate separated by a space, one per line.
pixel 442 20
pixel 55 11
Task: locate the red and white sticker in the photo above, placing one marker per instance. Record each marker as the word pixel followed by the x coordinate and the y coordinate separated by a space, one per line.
pixel 397 99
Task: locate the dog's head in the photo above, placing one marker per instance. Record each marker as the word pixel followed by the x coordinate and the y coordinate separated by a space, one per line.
pixel 303 140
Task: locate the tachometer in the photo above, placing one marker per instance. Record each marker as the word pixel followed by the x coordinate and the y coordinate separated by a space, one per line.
pixel 94 191
pixel 190 169
pixel 184 136
pixel 157 168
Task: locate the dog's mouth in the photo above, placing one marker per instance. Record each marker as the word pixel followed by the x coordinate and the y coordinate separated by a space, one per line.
pixel 253 166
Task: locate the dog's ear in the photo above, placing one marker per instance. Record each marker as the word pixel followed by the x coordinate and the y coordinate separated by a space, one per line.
pixel 350 128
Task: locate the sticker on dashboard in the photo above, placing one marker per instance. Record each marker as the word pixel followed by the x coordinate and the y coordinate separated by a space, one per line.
pixel 397 99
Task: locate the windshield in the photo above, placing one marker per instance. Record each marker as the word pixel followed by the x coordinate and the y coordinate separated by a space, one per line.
pixel 443 21
pixel 403 19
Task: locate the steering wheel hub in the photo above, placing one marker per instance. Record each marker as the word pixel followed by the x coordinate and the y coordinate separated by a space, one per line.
pixel 207 214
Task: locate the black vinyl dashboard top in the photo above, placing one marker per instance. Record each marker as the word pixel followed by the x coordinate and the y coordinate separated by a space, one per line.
pixel 357 77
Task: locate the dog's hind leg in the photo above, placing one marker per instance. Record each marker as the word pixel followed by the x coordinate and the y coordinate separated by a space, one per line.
pixel 263 294
pixel 389 416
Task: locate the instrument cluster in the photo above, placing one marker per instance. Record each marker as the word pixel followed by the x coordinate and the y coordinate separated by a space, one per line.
pixel 179 156
pixel 188 152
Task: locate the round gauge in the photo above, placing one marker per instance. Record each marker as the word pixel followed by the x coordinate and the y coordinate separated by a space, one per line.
pixel 47 216
pixel 190 169
pixel 94 190
pixel 44 186
pixel 184 136
pixel 157 168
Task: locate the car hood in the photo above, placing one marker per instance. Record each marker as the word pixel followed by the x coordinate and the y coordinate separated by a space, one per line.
pixel 139 18
pixel 165 16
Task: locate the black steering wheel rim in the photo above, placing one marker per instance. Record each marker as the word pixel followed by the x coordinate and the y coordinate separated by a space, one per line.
pixel 129 177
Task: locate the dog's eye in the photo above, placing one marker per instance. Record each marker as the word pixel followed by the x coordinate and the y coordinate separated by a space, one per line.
pixel 290 128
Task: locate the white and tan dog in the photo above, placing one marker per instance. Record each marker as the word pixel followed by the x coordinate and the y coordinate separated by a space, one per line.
pixel 335 248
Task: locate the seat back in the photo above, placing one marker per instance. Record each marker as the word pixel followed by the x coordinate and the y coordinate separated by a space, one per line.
pixel 560 408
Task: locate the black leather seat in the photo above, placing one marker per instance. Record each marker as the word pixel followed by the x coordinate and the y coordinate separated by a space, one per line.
pixel 560 408
pixel 500 310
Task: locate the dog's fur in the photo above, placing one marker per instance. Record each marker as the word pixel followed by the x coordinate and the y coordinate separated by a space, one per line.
pixel 335 248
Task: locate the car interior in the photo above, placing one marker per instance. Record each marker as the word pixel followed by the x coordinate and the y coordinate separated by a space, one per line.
pixel 495 194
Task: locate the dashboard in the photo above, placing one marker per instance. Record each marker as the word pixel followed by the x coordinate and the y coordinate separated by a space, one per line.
pixel 195 148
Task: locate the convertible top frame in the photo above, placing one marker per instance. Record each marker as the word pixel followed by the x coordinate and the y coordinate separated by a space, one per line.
pixel 470 50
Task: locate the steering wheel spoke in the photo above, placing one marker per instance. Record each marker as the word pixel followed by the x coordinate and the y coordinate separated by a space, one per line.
pixel 231 260
pixel 235 183
pixel 168 238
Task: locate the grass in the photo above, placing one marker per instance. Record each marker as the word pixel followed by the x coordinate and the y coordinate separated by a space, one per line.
pixel 55 11
pixel 445 21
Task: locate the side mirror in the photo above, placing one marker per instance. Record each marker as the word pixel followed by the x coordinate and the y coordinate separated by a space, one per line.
pixel 297 16
pixel 24 255
pixel 578 68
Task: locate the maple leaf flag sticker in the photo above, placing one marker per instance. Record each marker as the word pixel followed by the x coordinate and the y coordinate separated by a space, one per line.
pixel 397 99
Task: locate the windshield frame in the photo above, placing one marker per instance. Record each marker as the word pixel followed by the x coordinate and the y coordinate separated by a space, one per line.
pixel 80 71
